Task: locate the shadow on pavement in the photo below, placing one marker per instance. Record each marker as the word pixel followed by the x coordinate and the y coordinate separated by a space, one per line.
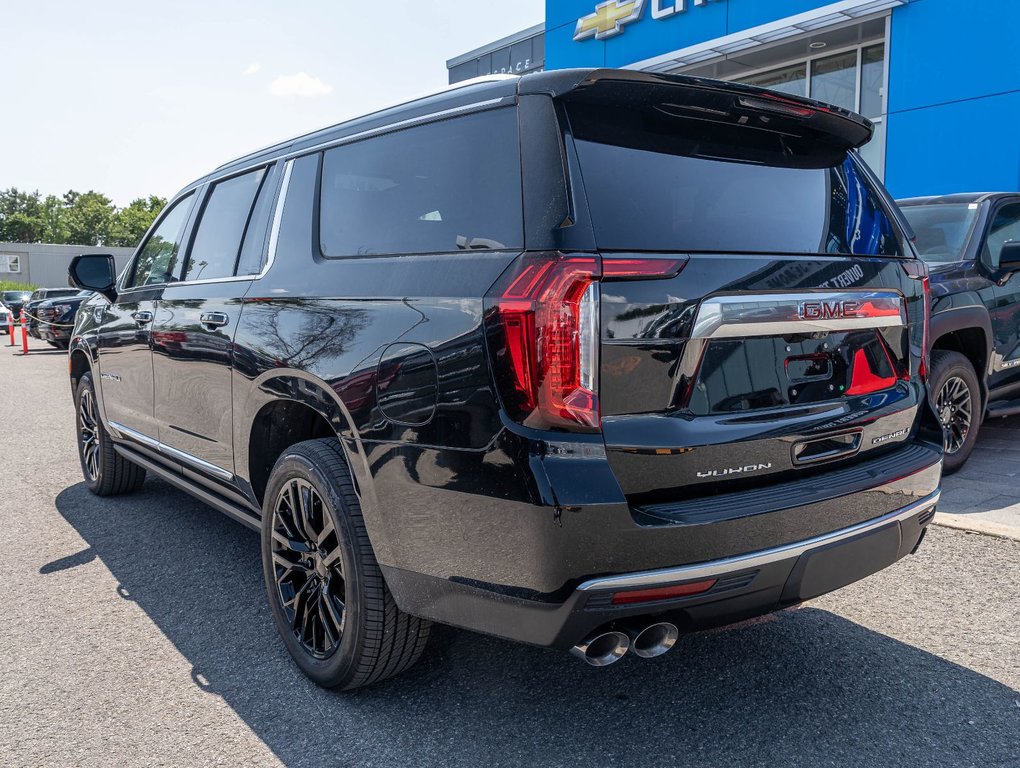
pixel 806 687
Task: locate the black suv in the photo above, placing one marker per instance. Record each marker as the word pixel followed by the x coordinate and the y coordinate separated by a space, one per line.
pixel 971 243
pixel 36 300
pixel 14 301
pixel 56 318
pixel 584 359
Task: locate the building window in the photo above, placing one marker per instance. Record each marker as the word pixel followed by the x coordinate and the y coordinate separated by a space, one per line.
pixel 852 79
pixel 834 80
pixel 791 80
pixel 10 263
pixel 872 80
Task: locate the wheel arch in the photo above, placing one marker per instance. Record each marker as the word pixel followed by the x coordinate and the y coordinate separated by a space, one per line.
pixel 283 407
pixel 967 330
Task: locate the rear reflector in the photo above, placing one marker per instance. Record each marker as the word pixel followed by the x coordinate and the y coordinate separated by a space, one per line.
pixel 663 593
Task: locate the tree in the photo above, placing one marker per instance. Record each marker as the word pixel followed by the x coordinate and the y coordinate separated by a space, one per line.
pixel 87 217
pixel 131 222
pixel 54 229
pixel 20 216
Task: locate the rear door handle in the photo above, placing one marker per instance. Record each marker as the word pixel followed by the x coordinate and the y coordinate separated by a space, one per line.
pixel 214 319
pixel 142 317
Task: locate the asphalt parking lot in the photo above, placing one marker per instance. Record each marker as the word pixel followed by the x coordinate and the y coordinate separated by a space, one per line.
pixel 135 632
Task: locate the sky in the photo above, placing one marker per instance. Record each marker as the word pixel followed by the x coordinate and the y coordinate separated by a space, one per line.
pixel 138 98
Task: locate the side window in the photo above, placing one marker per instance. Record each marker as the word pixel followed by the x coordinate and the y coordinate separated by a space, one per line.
pixel 253 247
pixel 217 241
pixel 450 185
pixel 1005 226
pixel 157 260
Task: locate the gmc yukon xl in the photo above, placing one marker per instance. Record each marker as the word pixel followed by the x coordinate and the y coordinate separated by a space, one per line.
pixel 586 359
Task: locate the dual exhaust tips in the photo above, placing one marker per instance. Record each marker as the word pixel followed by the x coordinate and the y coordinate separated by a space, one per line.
pixel 605 647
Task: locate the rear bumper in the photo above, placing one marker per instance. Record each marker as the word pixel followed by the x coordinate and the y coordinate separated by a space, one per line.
pixel 746 585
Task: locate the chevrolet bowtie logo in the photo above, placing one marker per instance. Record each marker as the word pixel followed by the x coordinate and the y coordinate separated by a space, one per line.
pixel 608 19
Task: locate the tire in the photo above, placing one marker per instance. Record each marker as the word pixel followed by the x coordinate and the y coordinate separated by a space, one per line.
pixel 106 472
pixel 956 399
pixel 331 607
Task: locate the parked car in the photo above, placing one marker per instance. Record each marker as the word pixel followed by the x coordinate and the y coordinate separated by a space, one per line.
pixel 583 359
pixel 15 300
pixel 972 245
pixel 56 318
pixel 38 296
pixel 5 318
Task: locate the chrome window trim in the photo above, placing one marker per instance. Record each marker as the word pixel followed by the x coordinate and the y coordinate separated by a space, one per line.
pixel 274 231
pixel 187 458
pixel 475 106
pixel 711 321
pixel 716 568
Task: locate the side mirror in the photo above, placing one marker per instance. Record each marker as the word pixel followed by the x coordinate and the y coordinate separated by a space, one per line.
pixel 96 272
pixel 1009 258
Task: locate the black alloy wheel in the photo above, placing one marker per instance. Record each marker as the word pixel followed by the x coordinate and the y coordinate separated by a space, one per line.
pixel 88 435
pixel 106 472
pixel 955 408
pixel 329 600
pixel 956 401
pixel 308 567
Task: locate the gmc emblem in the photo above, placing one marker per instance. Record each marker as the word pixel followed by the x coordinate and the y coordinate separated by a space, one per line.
pixel 828 310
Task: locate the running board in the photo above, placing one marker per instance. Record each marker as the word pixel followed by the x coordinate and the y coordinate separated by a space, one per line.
pixel 1004 408
pixel 214 500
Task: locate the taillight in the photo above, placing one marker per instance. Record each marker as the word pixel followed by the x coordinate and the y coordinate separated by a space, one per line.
pixel 926 335
pixel 918 270
pixel 544 338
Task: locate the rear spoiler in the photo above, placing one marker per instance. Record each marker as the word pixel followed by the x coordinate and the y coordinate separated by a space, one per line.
pixel 716 100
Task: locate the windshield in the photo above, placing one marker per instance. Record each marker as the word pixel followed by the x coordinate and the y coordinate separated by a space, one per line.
pixel 942 230
pixel 16 296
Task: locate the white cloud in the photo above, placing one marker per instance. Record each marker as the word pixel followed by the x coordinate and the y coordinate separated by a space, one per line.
pixel 252 69
pixel 301 84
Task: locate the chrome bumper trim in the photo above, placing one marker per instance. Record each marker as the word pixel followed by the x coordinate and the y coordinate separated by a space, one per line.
pixel 715 568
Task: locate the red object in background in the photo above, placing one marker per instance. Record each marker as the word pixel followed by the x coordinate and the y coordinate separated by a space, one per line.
pixel 10 329
pixel 864 380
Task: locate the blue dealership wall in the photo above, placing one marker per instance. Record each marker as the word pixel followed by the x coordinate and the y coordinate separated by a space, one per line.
pixel 954 97
pixel 954 78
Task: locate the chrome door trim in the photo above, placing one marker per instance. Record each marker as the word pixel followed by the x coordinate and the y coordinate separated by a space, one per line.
pixel 716 568
pixel 175 453
pixel 782 314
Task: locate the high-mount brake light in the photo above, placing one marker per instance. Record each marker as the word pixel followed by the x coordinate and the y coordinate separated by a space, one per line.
pixel 544 339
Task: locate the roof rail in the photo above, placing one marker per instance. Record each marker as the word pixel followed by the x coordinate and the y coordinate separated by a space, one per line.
pixel 420 97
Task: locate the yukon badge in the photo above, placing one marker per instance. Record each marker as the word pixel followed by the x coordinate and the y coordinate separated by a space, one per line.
pixel 747 469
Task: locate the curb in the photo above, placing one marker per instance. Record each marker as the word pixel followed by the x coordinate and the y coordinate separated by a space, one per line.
pixel 969 523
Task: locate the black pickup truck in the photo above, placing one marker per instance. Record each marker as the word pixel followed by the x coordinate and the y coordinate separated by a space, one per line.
pixel 972 245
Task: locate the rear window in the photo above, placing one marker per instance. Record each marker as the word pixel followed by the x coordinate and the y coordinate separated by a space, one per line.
pixel 447 186
pixel 659 184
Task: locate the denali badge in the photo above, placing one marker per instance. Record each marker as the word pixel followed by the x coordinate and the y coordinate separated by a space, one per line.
pixel 890 436
pixel 735 470
pixel 828 310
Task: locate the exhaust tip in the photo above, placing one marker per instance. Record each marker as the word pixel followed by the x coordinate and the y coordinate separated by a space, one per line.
pixel 602 648
pixel 655 640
